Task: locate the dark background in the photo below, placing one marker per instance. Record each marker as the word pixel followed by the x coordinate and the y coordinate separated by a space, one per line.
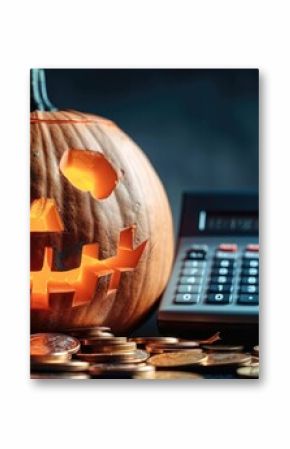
pixel 198 127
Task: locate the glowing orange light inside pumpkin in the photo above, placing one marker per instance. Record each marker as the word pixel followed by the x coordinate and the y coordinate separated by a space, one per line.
pixel 44 216
pixel 89 171
pixel 81 281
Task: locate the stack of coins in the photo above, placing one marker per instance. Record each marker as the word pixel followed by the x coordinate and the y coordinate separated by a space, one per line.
pixel 51 357
pixel 95 352
pixel 110 356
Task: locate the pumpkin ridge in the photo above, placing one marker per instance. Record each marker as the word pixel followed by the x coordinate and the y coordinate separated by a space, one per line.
pixel 150 248
pixel 135 182
pixel 83 205
pixel 117 192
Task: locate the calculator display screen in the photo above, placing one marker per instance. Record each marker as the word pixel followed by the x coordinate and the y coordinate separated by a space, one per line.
pixel 214 222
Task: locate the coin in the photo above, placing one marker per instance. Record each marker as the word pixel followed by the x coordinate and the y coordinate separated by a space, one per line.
pixel 225 359
pixel 256 350
pixel 254 361
pixel 129 357
pixel 148 340
pixel 163 347
pixel 75 376
pixel 103 339
pixel 223 348
pixel 157 350
pixel 88 331
pixel 71 366
pixel 248 372
pixel 108 348
pixel 173 359
pixel 121 371
pixel 174 375
pixel 51 343
pixel 51 358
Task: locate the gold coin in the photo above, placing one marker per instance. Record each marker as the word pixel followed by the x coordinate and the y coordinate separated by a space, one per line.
pixel 254 361
pixel 129 357
pixel 50 343
pixel 71 366
pixel 225 359
pixel 51 358
pixel 148 340
pixel 256 350
pixel 173 359
pixel 103 339
pixel 108 348
pixel 174 375
pixel 223 348
pixel 179 346
pixel 121 371
pixel 248 372
pixel 89 331
pixel 75 376
pixel 161 351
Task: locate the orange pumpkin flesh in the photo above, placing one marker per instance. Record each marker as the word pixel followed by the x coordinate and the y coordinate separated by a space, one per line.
pixel 102 238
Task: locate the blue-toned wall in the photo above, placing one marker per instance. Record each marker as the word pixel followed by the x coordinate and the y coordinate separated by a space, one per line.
pixel 198 127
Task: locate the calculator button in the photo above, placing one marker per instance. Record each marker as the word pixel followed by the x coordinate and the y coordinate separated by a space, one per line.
pixel 250 280
pixel 249 272
pixel 218 298
pixel 254 263
pixel 195 255
pixel 186 298
pixel 223 263
pixel 249 289
pixel 222 271
pixel 200 248
pixel 253 247
pixel 248 300
pixel 192 272
pixel 220 288
pixel 190 280
pixel 194 264
pixel 222 280
pixel 225 255
pixel 188 288
pixel 228 247
pixel 251 255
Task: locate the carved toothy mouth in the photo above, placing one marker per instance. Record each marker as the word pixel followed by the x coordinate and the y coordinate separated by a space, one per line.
pixel 81 281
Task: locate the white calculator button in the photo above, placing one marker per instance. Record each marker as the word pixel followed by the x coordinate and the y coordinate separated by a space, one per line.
pixel 194 264
pixel 251 255
pixel 225 255
pixel 187 298
pixel 192 272
pixel 188 288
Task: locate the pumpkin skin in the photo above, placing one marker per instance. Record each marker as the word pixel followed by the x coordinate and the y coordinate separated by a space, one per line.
pixel 137 200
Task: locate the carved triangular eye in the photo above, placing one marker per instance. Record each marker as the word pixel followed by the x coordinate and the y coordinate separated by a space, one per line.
pixel 89 171
pixel 44 216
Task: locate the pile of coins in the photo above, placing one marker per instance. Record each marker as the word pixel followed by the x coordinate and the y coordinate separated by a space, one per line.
pixel 90 353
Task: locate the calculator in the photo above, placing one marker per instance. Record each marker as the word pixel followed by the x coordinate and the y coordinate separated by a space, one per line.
pixel 215 279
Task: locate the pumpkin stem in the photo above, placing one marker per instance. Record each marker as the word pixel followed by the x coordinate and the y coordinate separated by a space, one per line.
pixel 38 95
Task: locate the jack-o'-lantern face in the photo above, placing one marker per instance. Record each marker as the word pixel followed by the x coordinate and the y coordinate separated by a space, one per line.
pixel 101 227
pixel 89 172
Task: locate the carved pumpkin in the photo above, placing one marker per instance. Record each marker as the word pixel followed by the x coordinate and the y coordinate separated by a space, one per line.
pixel 101 226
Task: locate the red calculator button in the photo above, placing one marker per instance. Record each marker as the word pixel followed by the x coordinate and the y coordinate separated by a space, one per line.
pixel 228 247
pixel 253 247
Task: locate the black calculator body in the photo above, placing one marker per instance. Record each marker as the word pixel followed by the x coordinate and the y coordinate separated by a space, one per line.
pixel 215 280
